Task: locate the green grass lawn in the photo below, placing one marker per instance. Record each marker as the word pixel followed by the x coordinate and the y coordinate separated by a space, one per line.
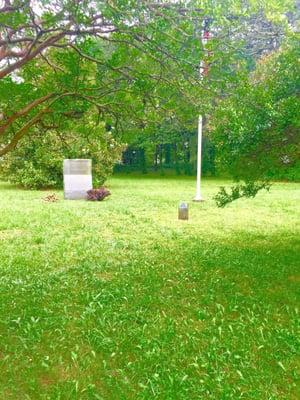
pixel 120 300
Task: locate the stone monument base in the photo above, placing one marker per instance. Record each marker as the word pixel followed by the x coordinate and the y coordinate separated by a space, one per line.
pixel 75 195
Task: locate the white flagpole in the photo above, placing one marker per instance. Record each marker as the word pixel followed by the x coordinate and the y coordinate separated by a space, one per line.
pixel 198 196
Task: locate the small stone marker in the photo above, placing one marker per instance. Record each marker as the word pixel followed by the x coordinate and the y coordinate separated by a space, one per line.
pixel 77 178
pixel 183 211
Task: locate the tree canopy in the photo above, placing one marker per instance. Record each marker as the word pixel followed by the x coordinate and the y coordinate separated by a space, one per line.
pixel 63 57
pixel 127 59
pixel 256 128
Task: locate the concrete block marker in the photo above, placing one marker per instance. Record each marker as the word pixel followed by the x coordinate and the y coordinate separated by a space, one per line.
pixel 183 211
pixel 77 178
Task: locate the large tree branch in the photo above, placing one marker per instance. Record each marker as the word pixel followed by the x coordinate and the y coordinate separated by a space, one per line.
pixel 24 111
pixel 8 7
pixel 21 132
pixel 30 55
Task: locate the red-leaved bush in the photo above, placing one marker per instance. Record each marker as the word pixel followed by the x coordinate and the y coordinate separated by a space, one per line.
pixel 98 194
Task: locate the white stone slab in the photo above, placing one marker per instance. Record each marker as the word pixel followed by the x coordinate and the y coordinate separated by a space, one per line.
pixel 77 178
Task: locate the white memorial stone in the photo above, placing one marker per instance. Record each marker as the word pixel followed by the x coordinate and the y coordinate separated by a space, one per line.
pixel 77 178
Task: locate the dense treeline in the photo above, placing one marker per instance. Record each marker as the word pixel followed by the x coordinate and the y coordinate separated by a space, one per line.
pixel 177 157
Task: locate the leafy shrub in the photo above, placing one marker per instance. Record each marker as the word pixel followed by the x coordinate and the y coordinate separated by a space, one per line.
pixel 98 194
pixel 37 161
pixel 249 189
pixel 26 173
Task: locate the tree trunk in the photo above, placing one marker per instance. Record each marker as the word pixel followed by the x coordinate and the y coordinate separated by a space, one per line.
pixel 161 167
pixel 177 167
pixel 143 162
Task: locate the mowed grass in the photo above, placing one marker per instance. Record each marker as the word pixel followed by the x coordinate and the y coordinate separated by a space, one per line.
pixel 120 300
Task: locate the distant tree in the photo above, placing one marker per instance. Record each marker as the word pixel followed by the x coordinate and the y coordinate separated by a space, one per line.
pixel 256 130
